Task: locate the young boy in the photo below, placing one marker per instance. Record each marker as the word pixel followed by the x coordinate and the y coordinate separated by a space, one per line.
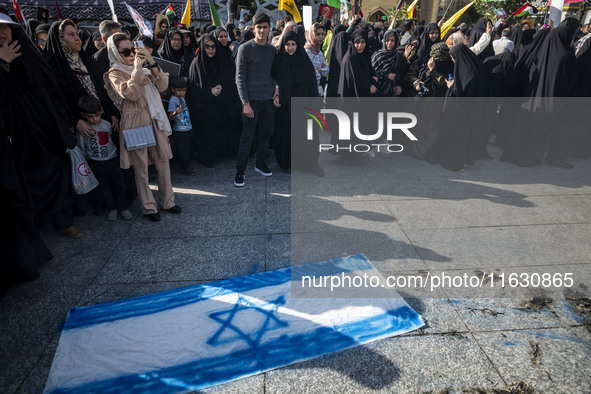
pixel 103 158
pixel 182 131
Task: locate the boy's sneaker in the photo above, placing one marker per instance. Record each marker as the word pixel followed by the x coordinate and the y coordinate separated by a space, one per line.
pixel 112 215
pixel 263 170
pixel 126 215
pixel 239 179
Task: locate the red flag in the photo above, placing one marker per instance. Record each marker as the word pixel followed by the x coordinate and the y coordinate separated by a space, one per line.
pixel 17 11
pixel 59 14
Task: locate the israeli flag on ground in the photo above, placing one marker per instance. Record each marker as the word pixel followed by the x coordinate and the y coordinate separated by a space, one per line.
pixel 196 337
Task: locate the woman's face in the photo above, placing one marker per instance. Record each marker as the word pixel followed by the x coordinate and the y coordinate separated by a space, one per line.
pixel 210 48
pixel 391 43
pixel 319 35
pixel 223 38
pixel 71 39
pixel 186 39
pixel 176 41
pixel 434 35
pixel 5 34
pixel 360 45
pixel 127 52
pixel 290 47
pixel 99 43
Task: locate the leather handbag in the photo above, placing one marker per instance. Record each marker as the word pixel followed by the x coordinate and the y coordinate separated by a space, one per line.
pixel 138 138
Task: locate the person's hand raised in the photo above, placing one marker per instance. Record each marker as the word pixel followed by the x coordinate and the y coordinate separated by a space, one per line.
pixel 9 52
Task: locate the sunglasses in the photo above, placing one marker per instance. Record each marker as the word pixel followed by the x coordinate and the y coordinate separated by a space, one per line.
pixel 127 52
pixel 210 47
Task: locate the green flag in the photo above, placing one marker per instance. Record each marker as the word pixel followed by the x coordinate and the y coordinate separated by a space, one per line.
pixel 215 17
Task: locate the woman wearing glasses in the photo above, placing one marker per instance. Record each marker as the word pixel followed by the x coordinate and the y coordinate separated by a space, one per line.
pixel 135 90
pixel 204 98
pixel 173 50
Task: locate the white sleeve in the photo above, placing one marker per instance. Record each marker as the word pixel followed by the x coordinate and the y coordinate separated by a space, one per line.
pixel 481 44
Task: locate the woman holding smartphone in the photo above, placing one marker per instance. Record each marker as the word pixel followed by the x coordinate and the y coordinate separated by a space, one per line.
pixel 135 90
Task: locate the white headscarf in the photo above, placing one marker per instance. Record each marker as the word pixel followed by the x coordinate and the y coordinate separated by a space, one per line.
pixel 152 95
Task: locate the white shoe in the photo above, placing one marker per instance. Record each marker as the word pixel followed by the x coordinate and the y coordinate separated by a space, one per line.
pixel 126 215
pixel 112 215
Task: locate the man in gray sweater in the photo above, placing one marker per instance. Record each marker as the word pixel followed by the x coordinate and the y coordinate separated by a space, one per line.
pixel 259 94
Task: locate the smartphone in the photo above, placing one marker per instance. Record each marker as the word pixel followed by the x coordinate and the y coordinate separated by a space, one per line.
pixel 138 44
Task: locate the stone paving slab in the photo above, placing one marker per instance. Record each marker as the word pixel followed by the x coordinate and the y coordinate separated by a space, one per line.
pixel 553 360
pixel 428 363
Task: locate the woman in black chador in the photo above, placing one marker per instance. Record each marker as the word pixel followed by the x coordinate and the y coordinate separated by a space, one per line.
pixel 461 140
pixel 338 48
pixel 294 73
pixel 232 124
pixel 204 101
pixel 389 66
pixel 357 76
pixel 557 77
pixel 35 179
pixel 173 50
pixel 477 31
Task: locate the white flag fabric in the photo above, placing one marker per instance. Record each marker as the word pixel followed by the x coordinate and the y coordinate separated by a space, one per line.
pixel 142 24
pixel 196 337
pixel 112 10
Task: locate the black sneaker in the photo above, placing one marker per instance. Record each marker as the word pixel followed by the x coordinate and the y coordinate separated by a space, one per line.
pixel 189 171
pixel 173 209
pixel 239 179
pixel 263 170
pixel 154 217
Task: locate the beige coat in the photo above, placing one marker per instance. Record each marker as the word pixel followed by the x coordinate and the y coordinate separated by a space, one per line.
pixel 133 105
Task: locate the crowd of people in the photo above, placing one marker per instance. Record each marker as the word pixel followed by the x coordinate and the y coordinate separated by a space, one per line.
pixel 230 96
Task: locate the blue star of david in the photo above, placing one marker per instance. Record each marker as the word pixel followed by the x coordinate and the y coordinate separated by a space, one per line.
pixel 244 304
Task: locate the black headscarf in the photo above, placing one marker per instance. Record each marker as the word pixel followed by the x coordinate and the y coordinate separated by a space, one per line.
pixel 338 47
pixel 32 25
pixel 385 62
pixel 192 47
pixel 426 43
pixel 230 29
pixel 182 56
pixel 223 49
pixel 373 42
pixel 301 32
pixel 470 77
pixel 557 71
pixel 70 85
pixel 246 36
pixel 477 31
pixel 205 71
pixel 295 73
pixel 338 28
pixel 501 70
pixel 355 80
pixel 529 54
pixel 89 47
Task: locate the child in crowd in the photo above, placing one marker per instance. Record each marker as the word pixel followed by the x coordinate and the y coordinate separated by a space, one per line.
pixel 103 159
pixel 182 131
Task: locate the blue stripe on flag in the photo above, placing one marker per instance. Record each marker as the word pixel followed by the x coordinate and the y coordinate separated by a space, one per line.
pixel 176 298
pixel 280 352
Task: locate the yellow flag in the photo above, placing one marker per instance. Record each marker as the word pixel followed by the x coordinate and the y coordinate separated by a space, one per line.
pixel 186 20
pixel 410 9
pixel 290 6
pixel 450 22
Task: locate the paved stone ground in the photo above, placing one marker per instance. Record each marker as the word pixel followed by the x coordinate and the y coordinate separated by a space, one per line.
pixel 412 218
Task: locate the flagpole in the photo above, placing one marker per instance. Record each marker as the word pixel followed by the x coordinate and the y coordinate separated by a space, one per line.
pixel 445 13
